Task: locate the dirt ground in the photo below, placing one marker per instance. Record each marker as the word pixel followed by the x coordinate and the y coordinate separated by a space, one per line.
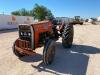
pixel 82 59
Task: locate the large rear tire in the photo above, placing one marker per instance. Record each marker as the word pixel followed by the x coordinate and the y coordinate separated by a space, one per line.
pixel 49 52
pixel 16 52
pixel 67 36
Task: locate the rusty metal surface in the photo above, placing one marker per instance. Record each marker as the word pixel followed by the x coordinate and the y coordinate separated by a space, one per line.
pixel 25 51
pixel 23 47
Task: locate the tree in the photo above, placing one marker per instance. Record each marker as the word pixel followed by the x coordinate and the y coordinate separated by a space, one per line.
pixel 24 12
pixel 41 13
pixel 21 12
pixel 50 15
pixel 15 13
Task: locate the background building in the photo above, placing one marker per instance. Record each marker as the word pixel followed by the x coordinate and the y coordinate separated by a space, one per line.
pixel 11 21
pixel 98 18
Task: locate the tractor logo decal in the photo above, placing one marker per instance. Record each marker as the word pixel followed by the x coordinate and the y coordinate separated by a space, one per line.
pixel 13 18
pixel 28 19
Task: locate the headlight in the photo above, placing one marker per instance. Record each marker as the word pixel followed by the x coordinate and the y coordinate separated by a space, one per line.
pixel 29 34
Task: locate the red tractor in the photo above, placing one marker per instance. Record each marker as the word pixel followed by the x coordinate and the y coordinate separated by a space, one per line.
pixel 44 33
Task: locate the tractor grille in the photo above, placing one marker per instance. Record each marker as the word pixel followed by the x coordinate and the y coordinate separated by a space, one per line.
pixel 25 32
pixel 24 44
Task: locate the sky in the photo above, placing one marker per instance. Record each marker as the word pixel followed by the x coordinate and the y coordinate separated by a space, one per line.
pixel 60 8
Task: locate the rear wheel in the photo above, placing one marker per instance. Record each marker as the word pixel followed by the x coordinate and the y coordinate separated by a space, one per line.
pixel 16 52
pixel 49 52
pixel 67 36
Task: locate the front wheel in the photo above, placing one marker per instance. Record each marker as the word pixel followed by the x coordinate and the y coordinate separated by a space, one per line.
pixel 49 52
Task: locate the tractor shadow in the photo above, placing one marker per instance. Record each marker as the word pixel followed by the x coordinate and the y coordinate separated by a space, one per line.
pixel 35 58
pixel 72 61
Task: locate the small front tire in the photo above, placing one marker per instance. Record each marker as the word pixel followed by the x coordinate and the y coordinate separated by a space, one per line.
pixel 49 52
